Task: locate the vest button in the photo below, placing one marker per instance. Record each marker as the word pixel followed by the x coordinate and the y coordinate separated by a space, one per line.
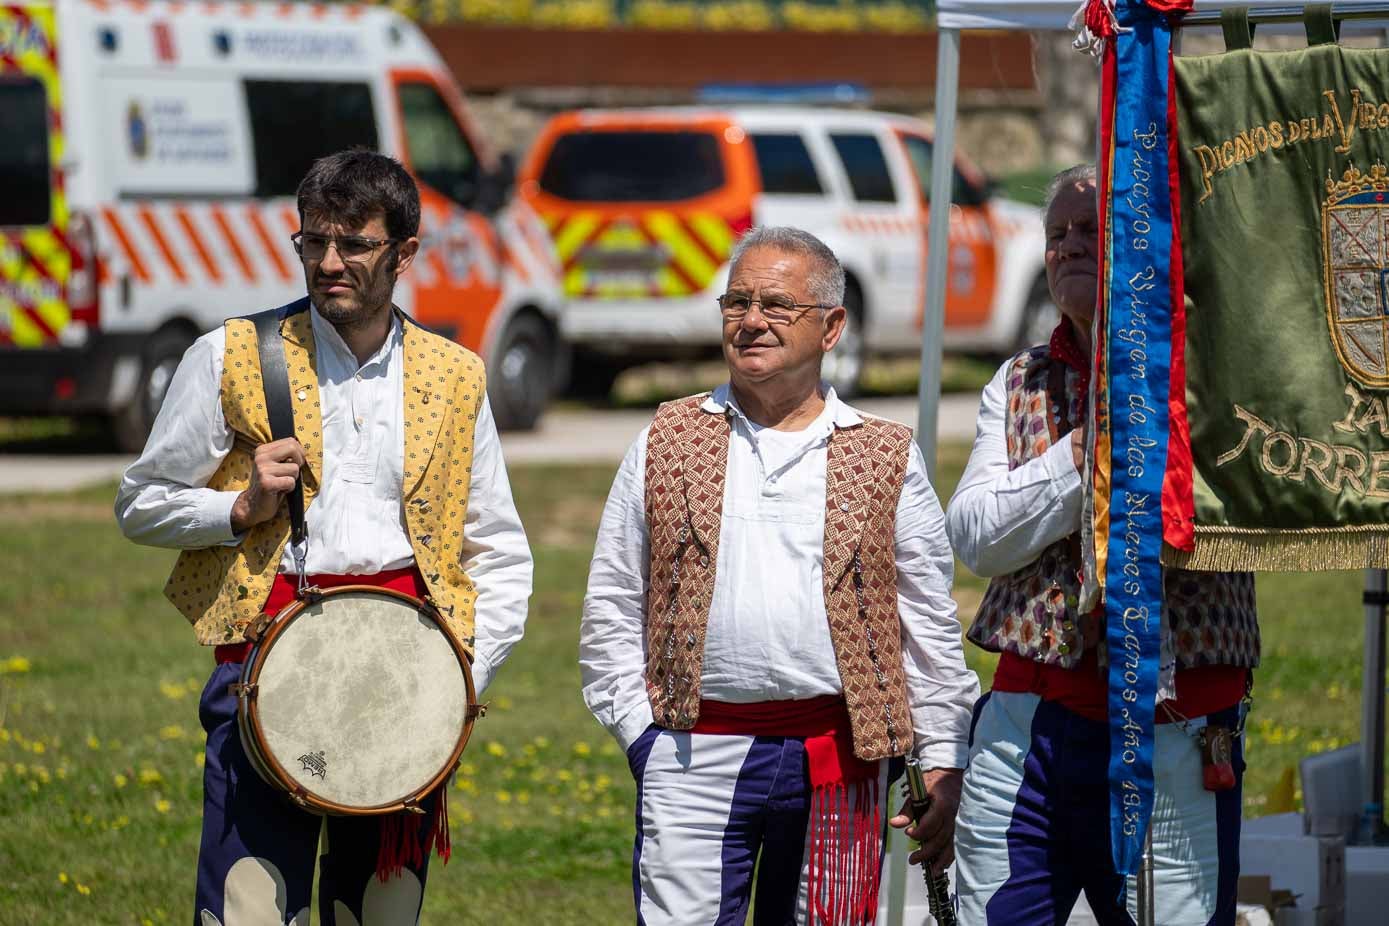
pixel 1063 648
pixel 704 561
pixel 1068 626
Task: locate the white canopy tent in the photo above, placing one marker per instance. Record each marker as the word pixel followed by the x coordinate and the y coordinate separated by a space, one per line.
pixel 952 17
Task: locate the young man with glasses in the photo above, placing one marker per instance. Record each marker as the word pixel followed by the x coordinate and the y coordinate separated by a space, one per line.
pixel 769 622
pixel 392 427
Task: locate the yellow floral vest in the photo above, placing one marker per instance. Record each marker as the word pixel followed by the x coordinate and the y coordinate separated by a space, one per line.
pixel 222 589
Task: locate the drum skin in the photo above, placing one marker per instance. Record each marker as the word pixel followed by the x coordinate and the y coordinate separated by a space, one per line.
pixel 356 701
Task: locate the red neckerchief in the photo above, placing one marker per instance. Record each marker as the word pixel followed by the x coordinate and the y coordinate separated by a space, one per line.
pixel 1064 347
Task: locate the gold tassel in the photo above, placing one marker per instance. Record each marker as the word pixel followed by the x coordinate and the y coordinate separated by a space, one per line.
pixel 1226 549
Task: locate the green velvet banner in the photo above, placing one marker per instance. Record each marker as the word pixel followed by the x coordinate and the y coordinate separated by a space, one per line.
pixel 1285 221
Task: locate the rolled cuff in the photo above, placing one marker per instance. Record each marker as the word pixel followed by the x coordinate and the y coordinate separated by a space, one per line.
pixel 942 754
pixel 482 673
pixel 214 518
pixel 632 724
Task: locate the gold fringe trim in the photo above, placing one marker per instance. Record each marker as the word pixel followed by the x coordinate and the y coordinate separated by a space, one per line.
pixel 1312 549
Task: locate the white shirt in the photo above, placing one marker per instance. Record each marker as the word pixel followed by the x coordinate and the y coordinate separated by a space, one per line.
pixel 1000 519
pixel 163 500
pixel 768 637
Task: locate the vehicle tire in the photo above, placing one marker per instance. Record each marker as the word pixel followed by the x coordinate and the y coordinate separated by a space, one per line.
pixel 591 376
pixel 1039 317
pixel 520 380
pixel 843 366
pixel 130 426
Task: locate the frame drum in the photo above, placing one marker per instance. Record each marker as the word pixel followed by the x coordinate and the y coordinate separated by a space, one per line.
pixel 356 700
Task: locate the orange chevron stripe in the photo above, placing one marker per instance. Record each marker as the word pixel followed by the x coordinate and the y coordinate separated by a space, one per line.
pixel 127 247
pixel 219 218
pixel 152 226
pixel 271 251
pixel 191 232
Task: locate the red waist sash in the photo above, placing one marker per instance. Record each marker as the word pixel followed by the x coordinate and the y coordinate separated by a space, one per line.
pixel 845 835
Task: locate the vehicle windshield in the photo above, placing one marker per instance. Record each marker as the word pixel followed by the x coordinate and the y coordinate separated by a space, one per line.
pixel 633 166
pixel 24 169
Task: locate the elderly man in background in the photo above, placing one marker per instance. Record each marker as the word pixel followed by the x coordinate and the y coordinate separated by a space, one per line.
pixel 1034 821
pixel 769 620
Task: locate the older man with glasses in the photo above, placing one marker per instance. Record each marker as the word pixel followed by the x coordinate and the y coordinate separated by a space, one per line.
pixel 361 376
pixel 769 622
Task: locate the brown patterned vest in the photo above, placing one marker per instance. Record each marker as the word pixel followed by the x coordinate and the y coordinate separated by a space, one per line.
pixel 1210 616
pixel 686 466
pixel 222 589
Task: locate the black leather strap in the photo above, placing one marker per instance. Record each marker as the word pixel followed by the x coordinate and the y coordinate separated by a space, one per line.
pixel 275 375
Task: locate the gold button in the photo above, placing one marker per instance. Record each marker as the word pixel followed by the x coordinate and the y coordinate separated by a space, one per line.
pixel 1068 626
pixel 1063 648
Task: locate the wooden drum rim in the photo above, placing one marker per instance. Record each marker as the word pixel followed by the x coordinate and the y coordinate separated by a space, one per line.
pixel 249 712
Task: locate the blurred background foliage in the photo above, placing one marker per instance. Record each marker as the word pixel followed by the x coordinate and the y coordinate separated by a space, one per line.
pixel 728 15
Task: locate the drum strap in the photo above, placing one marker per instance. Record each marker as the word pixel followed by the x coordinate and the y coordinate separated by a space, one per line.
pixel 280 410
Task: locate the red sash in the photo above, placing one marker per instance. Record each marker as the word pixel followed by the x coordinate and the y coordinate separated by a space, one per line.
pixel 845 841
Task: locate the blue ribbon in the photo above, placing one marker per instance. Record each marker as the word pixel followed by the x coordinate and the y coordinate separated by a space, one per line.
pixel 1138 342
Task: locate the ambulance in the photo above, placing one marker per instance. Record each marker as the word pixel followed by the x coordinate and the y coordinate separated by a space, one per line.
pixel 150 156
pixel 644 206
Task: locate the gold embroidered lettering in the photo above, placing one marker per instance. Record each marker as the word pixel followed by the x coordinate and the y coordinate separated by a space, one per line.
pixel 1340 125
pixel 1374 414
pixel 1317 469
pixel 1227 155
pixel 1295 131
pixel 1244 148
pixel 1275 134
pixel 1266 455
pixel 1357 398
pixel 1254 424
pixel 1354 477
pixel 1261 138
pixel 1383 116
pixel 1210 163
pixel 1379 473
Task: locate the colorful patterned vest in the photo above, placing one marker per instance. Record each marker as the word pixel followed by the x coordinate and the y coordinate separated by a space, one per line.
pixel 222 589
pixel 1209 616
pixel 686 466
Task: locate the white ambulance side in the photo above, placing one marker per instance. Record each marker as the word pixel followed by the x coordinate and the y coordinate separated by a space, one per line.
pixel 162 158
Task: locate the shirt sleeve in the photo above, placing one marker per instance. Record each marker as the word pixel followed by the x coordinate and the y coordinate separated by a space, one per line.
pixel 941 689
pixel 1002 519
pixel 495 554
pixel 163 499
pixel 612 652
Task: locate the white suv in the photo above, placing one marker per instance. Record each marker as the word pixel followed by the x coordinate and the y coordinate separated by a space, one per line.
pixel 644 205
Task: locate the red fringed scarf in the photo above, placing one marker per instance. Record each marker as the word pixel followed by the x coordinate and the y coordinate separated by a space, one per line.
pixel 845 832
pixel 402 843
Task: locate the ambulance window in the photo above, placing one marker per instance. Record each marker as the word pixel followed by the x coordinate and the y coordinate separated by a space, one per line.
pixel 439 151
pixel 919 153
pixel 785 165
pixel 635 166
pixel 24 158
pixel 293 123
pixel 867 168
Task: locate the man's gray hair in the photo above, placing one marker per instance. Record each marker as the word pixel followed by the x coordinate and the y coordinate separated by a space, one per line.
pixel 825 281
pixel 1071 176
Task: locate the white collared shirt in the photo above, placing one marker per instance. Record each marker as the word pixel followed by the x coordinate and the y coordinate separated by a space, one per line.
pixel 356 522
pixel 768 637
pixel 1000 519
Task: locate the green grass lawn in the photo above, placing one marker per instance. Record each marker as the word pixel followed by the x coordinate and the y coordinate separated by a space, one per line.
pixel 100 746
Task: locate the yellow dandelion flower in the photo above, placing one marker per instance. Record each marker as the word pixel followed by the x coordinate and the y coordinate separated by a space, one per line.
pixel 529 750
pixel 523 797
pixel 556 810
pixel 495 748
pixel 564 775
pixel 172 732
pixel 609 749
pixel 14 665
pixel 149 776
pixel 467 768
pixel 120 780
pixel 21 769
pixel 162 806
pixel 503 797
pixel 93 742
pixel 62 877
pixel 42 774
pixel 62 773
pixel 465 815
pixel 4 735
pixel 38 748
pixel 504 703
pixel 541 742
pixel 87 819
pixel 508 824
pixel 582 749
pixel 172 690
pixel 605 812
pixel 602 783
pixel 83 889
pixel 34 787
pixel 120 822
pixel 147 922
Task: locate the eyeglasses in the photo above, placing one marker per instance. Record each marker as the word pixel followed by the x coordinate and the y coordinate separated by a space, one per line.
pixel 776 310
pixel 351 247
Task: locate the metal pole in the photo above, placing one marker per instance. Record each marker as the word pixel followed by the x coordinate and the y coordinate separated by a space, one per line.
pixel 1372 828
pixel 1287 14
pixel 1145 901
pixel 938 244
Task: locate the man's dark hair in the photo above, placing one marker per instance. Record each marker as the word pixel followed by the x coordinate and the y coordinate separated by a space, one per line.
pixel 352 186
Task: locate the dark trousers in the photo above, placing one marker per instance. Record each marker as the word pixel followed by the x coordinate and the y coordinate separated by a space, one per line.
pixel 256 861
